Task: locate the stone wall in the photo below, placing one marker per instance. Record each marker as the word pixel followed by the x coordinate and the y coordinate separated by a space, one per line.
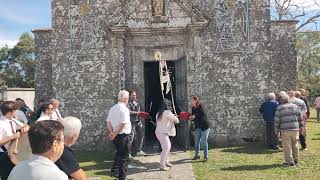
pixel 234 54
pixel 223 51
pixel 43 72
pixel 284 56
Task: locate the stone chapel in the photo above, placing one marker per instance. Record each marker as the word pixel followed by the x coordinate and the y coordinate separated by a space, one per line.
pixel 227 52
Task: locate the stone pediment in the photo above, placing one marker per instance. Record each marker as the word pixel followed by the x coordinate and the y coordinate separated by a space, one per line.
pixel 140 16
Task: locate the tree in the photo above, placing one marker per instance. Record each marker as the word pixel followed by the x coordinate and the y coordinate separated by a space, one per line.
pixel 303 11
pixel 308 47
pixel 17 64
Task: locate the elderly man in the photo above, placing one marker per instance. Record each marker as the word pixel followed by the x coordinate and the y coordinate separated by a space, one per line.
pixel 303 109
pixel 68 162
pixel 47 143
pixel 268 109
pixel 119 129
pixel 47 110
pixel 288 120
pixel 56 113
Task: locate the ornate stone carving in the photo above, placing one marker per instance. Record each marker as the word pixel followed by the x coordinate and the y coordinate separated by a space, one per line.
pixel 158 8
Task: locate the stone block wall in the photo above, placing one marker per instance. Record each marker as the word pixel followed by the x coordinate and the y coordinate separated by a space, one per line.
pixel 99 47
pixel 284 55
pixel 43 72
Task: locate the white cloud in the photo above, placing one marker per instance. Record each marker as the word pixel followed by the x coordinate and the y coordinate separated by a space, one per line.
pixel 9 43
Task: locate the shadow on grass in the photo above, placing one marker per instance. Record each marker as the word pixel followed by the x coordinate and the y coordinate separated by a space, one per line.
pixel 251 167
pixel 98 162
pixel 250 150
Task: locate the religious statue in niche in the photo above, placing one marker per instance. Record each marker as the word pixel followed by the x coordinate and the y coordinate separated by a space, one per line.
pixel 158 8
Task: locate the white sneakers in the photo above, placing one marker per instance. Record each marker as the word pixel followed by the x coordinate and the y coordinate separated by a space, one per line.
pixel 169 164
pixel 164 168
pixel 141 153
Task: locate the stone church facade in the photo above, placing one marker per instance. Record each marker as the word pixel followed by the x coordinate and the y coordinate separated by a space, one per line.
pixel 227 52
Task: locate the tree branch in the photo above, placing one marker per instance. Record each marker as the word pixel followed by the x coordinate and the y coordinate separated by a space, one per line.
pixel 310 20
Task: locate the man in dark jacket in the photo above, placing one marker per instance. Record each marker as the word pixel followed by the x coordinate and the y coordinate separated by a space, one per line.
pixel 268 109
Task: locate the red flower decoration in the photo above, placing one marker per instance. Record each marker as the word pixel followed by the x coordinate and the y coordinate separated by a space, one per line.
pixel 184 115
pixel 144 115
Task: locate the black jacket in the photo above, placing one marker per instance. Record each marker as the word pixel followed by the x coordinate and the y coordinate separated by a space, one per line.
pixel 201 119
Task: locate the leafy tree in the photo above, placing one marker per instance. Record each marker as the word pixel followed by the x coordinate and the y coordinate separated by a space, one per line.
pixel 308 47
pixel 17 64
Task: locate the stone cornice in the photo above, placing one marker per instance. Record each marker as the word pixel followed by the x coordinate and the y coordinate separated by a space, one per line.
pixel 285 22
pixel 42 30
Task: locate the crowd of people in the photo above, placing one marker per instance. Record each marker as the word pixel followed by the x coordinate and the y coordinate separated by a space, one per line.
pixel 51 137
pixel 125 127
pixel 285 115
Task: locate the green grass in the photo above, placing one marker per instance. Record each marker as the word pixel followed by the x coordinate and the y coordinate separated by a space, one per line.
pixel 96 164
pixel 241 162
pixel 256 162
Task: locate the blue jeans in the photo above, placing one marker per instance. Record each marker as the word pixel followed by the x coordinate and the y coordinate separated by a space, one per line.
pixel 199 136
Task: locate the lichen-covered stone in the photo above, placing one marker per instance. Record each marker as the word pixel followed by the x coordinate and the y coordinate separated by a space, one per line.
pixel 223 52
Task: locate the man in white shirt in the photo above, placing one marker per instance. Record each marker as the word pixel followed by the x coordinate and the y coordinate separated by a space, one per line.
pixel 119 129
pixel 8 132
pixel 47 143
pixel 56 113
pixel 47 110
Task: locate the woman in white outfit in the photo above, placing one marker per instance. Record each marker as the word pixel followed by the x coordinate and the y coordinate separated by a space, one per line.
pixel 165 128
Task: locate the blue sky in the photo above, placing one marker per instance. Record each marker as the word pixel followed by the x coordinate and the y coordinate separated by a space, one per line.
pixel 18 16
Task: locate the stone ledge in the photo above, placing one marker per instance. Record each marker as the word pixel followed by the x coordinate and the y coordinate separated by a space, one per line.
pixel 285 22
pixel 42 30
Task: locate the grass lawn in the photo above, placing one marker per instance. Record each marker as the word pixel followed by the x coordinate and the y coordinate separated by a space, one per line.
pixel 241 162
pixel 96 163
pixel 256 162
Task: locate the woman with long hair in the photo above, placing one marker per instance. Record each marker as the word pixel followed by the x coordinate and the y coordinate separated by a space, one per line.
pixel 202 127
pixel 165 128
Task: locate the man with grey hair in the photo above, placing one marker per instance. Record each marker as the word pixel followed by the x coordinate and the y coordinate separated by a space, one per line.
pixel 303 109
pixel 68 162
pixel 56 113
pixel 268 109
pixel 288 120
pixel 119 129
pixel 299 102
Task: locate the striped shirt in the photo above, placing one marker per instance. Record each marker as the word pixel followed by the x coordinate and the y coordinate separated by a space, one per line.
pixel 288 117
